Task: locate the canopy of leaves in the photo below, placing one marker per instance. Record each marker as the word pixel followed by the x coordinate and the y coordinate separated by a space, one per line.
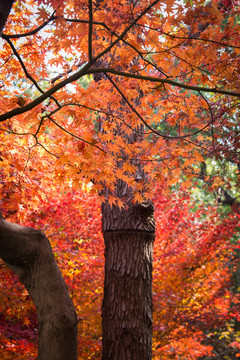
pixel 168 70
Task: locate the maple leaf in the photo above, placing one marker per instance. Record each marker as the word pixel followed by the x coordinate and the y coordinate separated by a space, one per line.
pixel 42 14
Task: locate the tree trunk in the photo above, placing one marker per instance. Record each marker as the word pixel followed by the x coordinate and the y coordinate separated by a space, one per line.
pixel 129 235
pixel 127 304
pixel 28 253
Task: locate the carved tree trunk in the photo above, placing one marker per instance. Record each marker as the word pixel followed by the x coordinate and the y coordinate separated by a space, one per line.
pixel 28 253
pixel 127 304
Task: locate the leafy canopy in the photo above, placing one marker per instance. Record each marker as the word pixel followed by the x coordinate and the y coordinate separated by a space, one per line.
pixel 118 83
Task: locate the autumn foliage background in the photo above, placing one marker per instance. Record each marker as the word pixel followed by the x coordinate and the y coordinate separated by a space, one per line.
pixel 51 156
pixel 195 304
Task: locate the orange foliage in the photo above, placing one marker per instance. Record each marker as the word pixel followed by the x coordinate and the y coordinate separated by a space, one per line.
pixel 178 79
pixel 191 276
pixel 167 67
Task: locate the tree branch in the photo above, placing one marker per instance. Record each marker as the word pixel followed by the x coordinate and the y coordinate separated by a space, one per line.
pixel 87 70
pixel 150 127
pixel 201 39
pixel 28 253
pixel 164 81
pixel 75 136
pixel 26 72
pixel 29 33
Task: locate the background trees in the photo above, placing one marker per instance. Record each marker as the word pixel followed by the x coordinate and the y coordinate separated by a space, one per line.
pixel 194 301
pixel 182 58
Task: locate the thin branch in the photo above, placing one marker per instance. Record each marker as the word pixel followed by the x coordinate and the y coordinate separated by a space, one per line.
pixel 155 160
pixel 29 156
pixel 194 67
pixel 87 70
pixel 144 59
pixel 75 136
pixel 163 81
pixel 39 126
pixel 148 126
pixel 132 107
pixel 201 39
pixel 23 66
pixel 190 37
pixel 44 148
pixel 81 21
pixel 127 29
pixel 31 32
pixel 26 72
pixel 75 76
pixel 66 73
pixel 36 30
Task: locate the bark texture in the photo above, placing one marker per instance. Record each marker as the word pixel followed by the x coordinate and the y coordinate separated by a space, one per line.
pixel 28 253
pixel 127 304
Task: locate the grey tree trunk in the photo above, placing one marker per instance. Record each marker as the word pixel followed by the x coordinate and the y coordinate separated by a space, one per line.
pixel 127 305
pixel 28 253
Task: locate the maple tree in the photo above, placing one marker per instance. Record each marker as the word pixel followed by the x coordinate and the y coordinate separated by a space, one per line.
pixel 168 84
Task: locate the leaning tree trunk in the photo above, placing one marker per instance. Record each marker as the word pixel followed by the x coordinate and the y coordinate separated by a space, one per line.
pixel 127 304
pixel 28 253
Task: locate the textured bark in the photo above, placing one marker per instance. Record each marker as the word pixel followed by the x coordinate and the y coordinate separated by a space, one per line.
pixel 5 7
pixel 139 217
pixel 127 304
pixel 28 253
